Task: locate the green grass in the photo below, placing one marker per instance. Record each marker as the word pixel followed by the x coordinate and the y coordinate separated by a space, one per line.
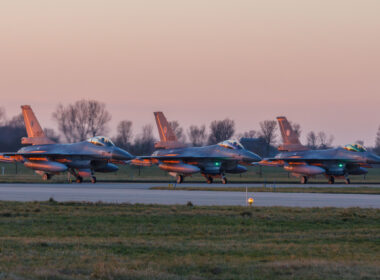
pixel 352 190
pixel 128 173
pixel 53 240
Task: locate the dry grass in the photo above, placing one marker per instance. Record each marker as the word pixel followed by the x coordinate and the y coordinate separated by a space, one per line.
pixel 53 240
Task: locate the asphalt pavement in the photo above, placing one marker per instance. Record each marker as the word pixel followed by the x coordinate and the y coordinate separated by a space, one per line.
pixel 141 193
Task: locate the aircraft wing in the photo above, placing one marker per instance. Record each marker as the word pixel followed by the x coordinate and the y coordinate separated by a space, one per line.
pixel 280 162
pixel 11 157
pixel 4 158
pixel 150 160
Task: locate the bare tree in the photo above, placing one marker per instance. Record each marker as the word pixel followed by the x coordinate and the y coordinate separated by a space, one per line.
pixel 197 135
pixel 377 142
pixel 124 134
pixel 11 132
pixel 2 116
pixel 296 128
pixel 249 134
pixel 221 130
pixel 51 134
pixel 324 141
pixel 144 143
pixel 178 131
pixel 81 120
pixel 312 140
pixel 359 142
pixel 268 133
pixel 17 121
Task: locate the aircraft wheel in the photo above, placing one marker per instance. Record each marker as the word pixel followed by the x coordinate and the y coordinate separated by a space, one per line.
pixel 46 177
pixel 224 180
pixel 209 180
pixel 331 180
pixel 93 179
pixel 347 181
pixel 179 179
pixel 303 180
pixel 79 179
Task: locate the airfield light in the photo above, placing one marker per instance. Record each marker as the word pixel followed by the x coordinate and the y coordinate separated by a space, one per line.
pixel 250 201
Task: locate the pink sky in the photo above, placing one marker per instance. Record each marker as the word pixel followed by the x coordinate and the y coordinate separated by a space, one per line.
pixel 317 62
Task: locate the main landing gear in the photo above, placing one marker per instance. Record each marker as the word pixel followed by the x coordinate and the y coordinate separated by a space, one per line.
pixel 210 178
pixel 347 181
pixel 79 178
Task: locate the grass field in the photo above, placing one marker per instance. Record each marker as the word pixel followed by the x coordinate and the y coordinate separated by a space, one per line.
pixel 352 190
pixel 53 240
pixel 268 175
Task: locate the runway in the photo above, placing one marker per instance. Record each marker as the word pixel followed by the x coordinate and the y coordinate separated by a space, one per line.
pixel 140 193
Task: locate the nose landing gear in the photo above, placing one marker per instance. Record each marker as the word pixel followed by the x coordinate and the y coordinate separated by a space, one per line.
pixel 304 180
pixel 331 180
pixel 179 179
pixel 209 180
pixel 224 180
pixel 46 176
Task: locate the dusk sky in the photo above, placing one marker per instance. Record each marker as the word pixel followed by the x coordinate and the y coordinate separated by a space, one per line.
pixel 316 62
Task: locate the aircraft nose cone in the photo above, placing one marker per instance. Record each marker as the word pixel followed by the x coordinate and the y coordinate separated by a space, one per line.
pixel 250 157
pixel 120 154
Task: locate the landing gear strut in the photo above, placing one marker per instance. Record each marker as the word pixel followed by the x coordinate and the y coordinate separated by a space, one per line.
pixel 331 180
pixel 209 180
pixel 224 180
pixel 179 179
pixel 303 180
pixel 78 178
pixel 347 181
pixel 46 177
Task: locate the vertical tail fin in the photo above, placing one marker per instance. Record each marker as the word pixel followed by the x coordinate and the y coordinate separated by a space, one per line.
pixel 164 129
pixel 36 135
pixel 290 138
pixel 33 128
pixel 167 136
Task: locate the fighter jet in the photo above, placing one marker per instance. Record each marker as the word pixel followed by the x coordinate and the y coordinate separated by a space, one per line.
pixel 333 163
pixel 97 154
pixel 211 161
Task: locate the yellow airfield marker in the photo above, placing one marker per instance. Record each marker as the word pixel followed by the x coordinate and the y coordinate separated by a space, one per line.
pixel 250 201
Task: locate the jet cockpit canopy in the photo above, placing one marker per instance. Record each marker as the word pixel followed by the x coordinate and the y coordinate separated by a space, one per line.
pixel 231 144
pixel 101 141
pixel 355 148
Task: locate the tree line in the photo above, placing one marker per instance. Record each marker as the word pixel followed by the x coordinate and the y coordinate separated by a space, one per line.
pixel 87 118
